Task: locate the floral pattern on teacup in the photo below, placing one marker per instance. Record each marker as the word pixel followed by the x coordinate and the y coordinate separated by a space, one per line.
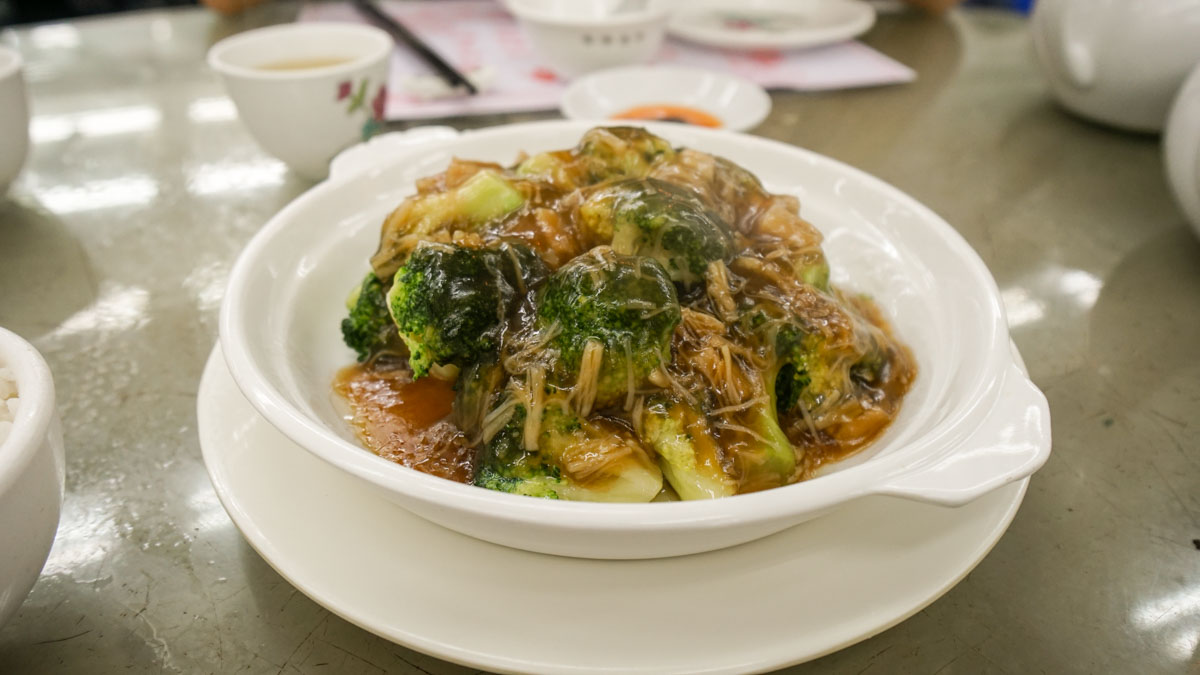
pixel 358 102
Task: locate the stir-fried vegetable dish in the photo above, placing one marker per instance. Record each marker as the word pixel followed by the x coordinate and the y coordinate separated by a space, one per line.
pixel 620 321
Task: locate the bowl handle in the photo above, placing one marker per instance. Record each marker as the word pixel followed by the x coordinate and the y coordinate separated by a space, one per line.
pixel 383 148
pixel 1011 443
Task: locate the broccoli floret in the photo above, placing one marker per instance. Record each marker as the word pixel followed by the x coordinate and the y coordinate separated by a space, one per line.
pixel 614 315
pixel 505 466
pixel 600 460
pixel 576 459
pixel 773 461
pixel 697 461
pixel 560 168
pixel 603 153
pixel 735 407
pixel 621 152
pixel 484 197
pixel 687 451
pixel 369 327
pixel 654 218
pixel 450 302
pixel 801 372
pixel 796 359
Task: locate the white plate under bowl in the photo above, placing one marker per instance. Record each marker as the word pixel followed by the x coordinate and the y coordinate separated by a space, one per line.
pixel 787 598
pixel 771 24
pixel 972 422
pixel 739 103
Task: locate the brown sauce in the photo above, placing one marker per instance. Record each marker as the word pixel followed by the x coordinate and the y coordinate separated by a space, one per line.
pixel 858 422
pixel 406 421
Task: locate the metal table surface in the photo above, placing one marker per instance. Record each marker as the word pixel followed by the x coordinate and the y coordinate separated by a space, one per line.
pixel 142 187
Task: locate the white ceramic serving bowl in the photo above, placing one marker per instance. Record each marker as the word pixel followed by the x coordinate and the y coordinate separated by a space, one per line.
pixel 737 102
pixel 579 36
pixel 14 117
pixel 31 474
pixel 1115 61
pixel 972 422
pixel 1181 148
pixel 305 116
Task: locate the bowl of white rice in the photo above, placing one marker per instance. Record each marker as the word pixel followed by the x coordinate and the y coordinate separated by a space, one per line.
pixel 31 469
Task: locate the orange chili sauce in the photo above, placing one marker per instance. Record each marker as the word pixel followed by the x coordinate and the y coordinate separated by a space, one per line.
pixel 405 420
pixel 665 112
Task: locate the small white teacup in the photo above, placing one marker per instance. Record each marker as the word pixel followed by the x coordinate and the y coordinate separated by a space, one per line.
pixel 14 118
pixel 307 90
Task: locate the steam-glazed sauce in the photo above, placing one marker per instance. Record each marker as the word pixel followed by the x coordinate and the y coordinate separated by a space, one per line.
pixel 405 420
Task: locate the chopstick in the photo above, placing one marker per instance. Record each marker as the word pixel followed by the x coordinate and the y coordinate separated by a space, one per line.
pixel 402 34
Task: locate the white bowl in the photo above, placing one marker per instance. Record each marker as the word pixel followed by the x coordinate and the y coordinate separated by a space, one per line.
pixel 739 103
pixel 972 422
pixel 1181 148
pixel 579 36
pixel 31 475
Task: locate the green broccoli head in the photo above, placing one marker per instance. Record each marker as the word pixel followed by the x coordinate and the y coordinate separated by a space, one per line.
pixel 505 466
pixel 687 450
pixel 369 327
pixel 654 218
pixel 772 459
pixel 485 197
pixel 797 360
pixel 801 369
pixel 615 315
pixel 575 459
pixel 450 302
pixel 621 152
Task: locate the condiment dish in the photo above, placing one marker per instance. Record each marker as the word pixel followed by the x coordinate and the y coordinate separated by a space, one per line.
pixel 737 103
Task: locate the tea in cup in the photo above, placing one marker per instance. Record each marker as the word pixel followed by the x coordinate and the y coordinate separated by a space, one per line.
pixel 308 90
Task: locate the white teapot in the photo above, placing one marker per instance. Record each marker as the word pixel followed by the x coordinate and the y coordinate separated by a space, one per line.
pixel 1119 62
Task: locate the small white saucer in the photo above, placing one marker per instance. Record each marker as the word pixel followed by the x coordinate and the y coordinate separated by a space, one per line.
pixel 791 597
pixel 772 24
pixel 737 102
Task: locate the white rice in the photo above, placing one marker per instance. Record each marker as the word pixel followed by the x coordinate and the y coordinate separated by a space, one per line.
pixel 8 402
